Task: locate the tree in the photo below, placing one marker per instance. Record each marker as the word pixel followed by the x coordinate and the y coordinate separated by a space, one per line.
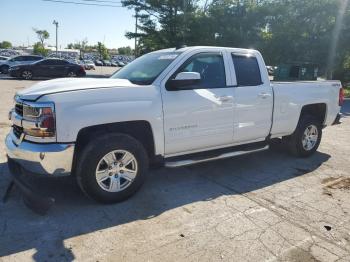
pixel 42 35
pixel 162 23
pixel 102 51
pixel 39 49
pixel 80 45
pixel 5 44
pixel 284 31
pixel 125 50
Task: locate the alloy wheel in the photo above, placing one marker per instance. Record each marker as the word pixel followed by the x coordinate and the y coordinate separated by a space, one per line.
pixel 27 74
pixel 116 171
pixel 310 137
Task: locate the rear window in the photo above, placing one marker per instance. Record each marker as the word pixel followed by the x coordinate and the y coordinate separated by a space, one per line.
pixel 247 70
pixel 60 62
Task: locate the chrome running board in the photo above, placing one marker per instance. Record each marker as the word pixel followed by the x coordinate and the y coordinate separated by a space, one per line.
pixel 187 162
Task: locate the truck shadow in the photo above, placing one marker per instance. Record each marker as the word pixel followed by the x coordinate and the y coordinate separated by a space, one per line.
pixel 166 189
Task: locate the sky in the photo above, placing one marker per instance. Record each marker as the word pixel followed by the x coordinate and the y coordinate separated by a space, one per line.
pixel 76 22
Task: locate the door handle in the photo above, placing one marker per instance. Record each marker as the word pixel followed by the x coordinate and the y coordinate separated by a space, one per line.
pixel 224 98
pixel 264 95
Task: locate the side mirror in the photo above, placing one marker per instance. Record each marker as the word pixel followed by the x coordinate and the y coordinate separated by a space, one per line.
pixel 183 81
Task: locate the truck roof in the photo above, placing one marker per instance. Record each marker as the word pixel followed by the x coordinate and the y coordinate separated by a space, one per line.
pixel 188 48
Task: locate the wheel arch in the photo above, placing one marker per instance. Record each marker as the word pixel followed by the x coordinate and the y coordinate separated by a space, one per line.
pixel 318 110
pixel 140 130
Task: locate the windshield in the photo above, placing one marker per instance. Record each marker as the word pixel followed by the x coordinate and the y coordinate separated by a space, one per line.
pixel 145 69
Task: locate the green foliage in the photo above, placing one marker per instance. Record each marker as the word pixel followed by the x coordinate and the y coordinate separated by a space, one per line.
pixel 347 92
pixel 162 23
pixel 125 50
pixel 39 49
pixel 5 44
pixel 283 30
pixel 42 35
pixel 102 51
pixel 80 45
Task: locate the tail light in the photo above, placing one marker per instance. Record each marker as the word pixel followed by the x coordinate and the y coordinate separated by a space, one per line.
pixel 341 96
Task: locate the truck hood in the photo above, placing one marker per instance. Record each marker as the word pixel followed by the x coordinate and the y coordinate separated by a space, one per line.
pixel 70 84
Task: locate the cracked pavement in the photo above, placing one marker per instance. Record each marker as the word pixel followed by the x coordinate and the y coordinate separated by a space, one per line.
pixel 266 206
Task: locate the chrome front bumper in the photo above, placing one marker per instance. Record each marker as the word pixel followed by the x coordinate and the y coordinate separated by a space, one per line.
pixel 45 159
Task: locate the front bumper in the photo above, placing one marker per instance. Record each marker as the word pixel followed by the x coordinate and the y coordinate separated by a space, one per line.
pixel 46 159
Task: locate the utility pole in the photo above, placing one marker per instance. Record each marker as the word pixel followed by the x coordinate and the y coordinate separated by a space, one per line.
pixel 136 16
pixel 56 24
pixel 184 25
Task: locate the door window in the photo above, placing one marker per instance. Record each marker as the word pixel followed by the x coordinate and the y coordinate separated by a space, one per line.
pixel 211 68
pixel 61 62
pixel 247 70
pixel 18 59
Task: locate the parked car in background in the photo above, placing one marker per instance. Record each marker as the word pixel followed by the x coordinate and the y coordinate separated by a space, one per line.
pixel 88 65
pixel 98 63
pixel 47 68
pixel 120 64
pixel 73 61
pixel 18 60
pixel 3 58
pixel 114 63
pixel 106 63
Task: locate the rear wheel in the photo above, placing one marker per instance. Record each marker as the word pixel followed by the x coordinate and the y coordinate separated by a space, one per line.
pixel 112 168
pixel 26 74
pixel 306 138
pixel 71 74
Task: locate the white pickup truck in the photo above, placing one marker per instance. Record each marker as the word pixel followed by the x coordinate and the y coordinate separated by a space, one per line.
pixel 174 107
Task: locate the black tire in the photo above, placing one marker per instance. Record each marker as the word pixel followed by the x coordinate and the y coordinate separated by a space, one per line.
pixel 295 141
pixel 92 154
pixel 71 74
pixel 4 69
pixel 27 74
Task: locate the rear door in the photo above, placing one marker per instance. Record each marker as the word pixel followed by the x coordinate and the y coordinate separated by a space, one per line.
pixel 43 68
pixel 61 68
pixel 253 99
pixel 201 117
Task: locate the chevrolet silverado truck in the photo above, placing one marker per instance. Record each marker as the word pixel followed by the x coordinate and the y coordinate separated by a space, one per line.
pixel 173 107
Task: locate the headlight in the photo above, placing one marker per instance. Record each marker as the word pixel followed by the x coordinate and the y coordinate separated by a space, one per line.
pixel 41 119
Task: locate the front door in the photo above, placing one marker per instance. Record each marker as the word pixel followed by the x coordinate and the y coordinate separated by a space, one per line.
pixel 200 117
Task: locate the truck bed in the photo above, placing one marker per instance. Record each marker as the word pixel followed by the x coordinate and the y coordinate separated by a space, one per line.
pixel 289 98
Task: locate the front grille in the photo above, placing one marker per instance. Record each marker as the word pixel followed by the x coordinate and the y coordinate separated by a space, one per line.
pixel 19 109
pixel 17 130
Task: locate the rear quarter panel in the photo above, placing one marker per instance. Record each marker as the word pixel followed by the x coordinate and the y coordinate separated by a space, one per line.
pixel 290 97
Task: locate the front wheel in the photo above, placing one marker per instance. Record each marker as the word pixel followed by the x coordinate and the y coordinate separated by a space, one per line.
pixel 112 168
pixel 306 138
pixel 4 69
